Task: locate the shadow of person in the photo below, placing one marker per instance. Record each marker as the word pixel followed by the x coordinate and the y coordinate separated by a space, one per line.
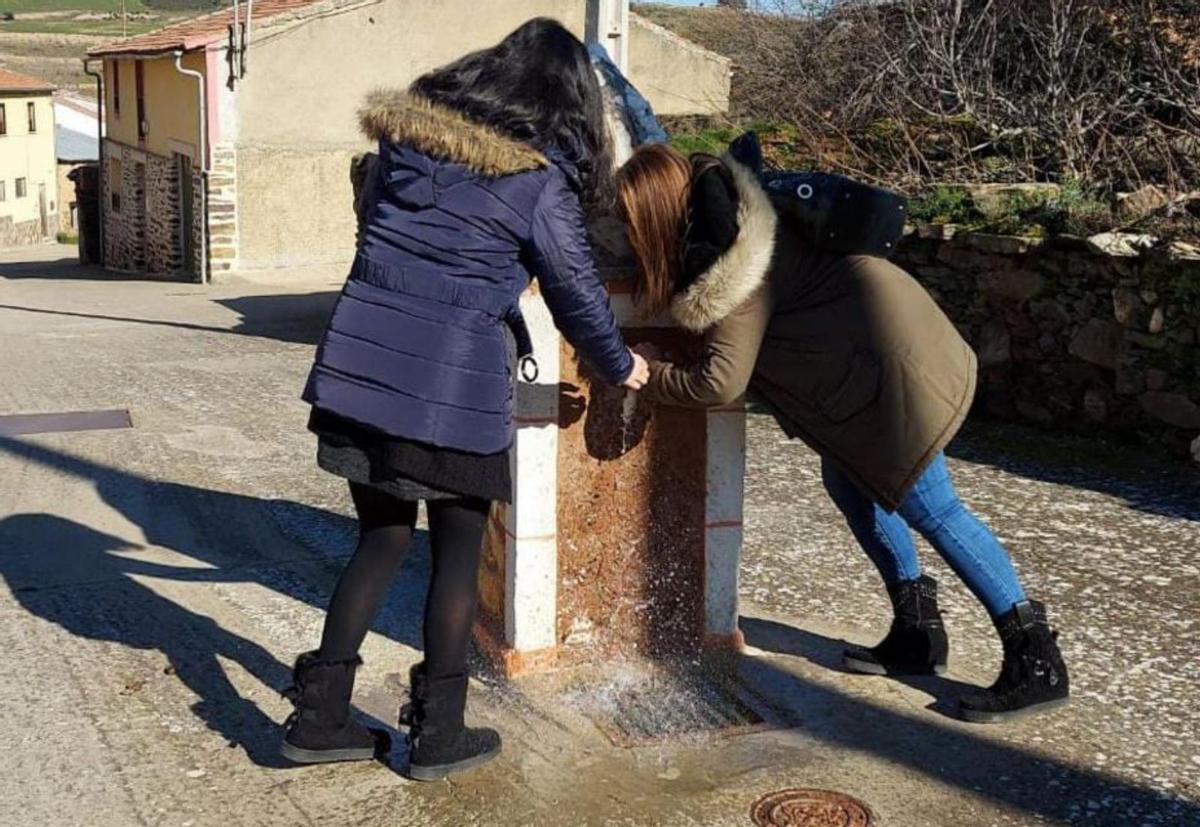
pixel 288 547
pixel 781 639
pixel 84 581
pixel 293 549
pixel 1012 772
pixel 293 318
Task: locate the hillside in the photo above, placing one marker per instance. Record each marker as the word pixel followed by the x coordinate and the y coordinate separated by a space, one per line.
pixel 48 38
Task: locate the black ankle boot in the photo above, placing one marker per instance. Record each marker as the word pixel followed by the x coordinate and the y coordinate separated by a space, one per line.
pixel 916 644
pixel 321 729
pixel 1033 677
pixel 441 744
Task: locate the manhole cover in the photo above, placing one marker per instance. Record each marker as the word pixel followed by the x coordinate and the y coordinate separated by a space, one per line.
pixel 810 808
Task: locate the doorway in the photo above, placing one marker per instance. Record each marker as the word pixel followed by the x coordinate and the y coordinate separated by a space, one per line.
pixel 187 213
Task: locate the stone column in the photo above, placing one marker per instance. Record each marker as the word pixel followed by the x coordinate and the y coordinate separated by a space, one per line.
pixel 625 532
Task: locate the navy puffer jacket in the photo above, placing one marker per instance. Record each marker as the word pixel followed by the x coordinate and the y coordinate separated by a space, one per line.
pixel 458 217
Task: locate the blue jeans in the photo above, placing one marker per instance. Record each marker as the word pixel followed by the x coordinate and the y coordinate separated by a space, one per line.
pixel 933 509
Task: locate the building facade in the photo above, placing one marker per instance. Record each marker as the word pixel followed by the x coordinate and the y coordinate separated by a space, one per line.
pixel 76 121
pixel 247 167
pixel 28 171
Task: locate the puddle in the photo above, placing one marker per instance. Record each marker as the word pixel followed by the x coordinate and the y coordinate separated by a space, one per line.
pixel 639 704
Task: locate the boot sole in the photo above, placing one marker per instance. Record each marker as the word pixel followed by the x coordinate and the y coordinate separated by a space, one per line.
pixel 866 667
pixel 437 772
pixel 300 755
pixel 976 716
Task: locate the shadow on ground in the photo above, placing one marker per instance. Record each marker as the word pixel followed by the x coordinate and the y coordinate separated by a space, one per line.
pixel 1162 486
pixel 86 581
pixel 288 317
pixel 972 759
pixel 63 268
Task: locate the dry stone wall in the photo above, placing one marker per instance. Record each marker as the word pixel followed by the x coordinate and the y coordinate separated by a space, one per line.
pixel 1071 337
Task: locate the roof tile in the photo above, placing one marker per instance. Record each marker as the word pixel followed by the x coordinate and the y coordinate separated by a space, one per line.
pixel 197 31
pixel 16 82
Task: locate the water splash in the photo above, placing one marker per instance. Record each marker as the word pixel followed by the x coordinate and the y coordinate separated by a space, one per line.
pixel 639 702
pixel 629 407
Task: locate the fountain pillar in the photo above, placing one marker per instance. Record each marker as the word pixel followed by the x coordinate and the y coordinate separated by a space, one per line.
pixel 625 532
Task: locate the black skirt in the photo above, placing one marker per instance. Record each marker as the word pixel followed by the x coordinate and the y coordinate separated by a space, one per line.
pixel 404 468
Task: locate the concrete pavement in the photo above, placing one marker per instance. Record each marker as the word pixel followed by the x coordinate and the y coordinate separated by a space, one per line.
pixel 156 582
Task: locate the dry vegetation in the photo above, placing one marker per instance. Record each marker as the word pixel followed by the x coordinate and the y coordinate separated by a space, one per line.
pixel 1101 94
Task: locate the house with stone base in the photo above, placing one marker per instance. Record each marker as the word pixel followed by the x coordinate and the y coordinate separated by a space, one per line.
pixel 28 171
pixel 230 136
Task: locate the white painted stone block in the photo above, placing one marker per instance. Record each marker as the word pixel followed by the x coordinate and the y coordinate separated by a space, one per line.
pixel 722 559
pixel 532 604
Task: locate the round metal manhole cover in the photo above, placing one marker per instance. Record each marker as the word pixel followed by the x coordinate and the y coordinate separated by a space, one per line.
pixel 810 808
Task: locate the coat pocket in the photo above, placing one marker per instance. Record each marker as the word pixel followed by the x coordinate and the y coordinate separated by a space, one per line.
pixel 856 391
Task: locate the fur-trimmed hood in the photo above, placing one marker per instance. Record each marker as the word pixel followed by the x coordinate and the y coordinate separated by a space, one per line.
pixel 440 132
pixel 740 269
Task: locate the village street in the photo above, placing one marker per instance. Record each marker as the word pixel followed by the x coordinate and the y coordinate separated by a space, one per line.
pixel 157 581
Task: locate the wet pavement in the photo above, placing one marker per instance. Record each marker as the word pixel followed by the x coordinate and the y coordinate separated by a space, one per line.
pixel 156 582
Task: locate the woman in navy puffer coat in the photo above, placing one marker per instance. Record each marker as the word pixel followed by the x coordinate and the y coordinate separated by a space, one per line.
pixel 483 172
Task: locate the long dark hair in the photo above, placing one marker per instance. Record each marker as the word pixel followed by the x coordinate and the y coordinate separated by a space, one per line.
pixel 538 86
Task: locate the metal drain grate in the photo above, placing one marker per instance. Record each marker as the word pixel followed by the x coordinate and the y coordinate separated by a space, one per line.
pixel 657 708
pixel 810 808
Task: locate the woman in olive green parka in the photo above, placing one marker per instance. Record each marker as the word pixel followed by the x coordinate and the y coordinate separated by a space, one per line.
pixel 855 358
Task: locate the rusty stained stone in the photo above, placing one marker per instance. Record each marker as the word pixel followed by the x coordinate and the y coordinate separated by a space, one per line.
pixel 810 808
pixel 492 574
pixel 631 504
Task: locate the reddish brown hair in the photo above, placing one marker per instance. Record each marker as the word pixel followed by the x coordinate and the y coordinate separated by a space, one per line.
pixel 652 200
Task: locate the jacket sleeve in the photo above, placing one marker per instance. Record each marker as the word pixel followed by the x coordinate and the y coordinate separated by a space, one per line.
pixel 723 371
pixel 561 259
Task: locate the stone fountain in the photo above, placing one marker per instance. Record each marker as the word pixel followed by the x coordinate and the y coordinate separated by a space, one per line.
pixel 625 532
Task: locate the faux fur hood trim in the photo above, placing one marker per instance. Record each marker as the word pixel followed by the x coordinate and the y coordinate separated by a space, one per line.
pixel 441 132
pixel 733 277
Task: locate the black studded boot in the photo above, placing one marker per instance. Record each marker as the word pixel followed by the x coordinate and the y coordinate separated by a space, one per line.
pixel 1033 676
pixel 440 742
pixel 916 644
pixel 321 729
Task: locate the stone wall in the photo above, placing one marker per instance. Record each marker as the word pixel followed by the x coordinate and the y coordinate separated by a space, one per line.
pixel 222 210
pixel 19 233
pixel 1071 337
pixel 163 252
pixel 124 217
pixel 143 235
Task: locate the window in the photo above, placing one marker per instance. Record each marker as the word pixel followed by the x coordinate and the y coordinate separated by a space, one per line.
pixel 31 110
pixel 140 78
pixel 116 87
pixel 115 183
pixel 21 188
pixel 3 194
pixel 3 122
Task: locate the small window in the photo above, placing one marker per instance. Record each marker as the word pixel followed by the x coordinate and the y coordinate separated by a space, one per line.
pixel 3 121
pixel 116 87
pixel 115 183
pixel 140 78
pixel 31 109
pixel 3 194
pixel 21 188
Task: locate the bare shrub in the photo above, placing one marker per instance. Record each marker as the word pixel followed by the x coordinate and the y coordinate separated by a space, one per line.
pixel 909 91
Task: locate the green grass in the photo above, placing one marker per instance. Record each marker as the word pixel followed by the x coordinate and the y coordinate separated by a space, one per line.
pixel 99 28
pixel 945 205
pixel 33 6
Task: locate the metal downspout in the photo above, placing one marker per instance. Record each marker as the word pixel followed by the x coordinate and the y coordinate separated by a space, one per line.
pixel 101 113
pixel 200 84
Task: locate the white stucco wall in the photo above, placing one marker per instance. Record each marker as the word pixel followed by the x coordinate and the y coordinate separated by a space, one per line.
pixel 296 128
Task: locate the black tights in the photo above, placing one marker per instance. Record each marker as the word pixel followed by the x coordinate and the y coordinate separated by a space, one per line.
pixel 386 526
